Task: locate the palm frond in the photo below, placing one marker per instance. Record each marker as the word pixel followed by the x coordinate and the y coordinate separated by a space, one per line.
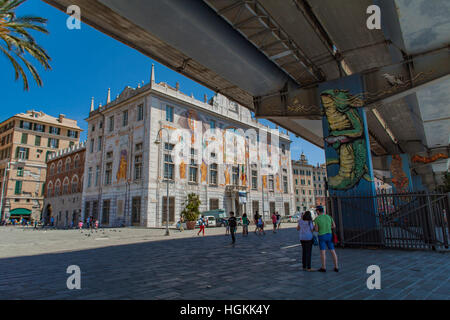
pixel 19 43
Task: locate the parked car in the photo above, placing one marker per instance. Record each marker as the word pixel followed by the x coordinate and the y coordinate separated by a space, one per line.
pixel 221 222
pixel 211 221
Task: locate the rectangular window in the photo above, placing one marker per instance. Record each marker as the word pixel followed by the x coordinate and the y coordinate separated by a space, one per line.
pixel 169 113
pixel 53 130
pixel 138 167
pixel 24 138
pixel 99 145
pixel 89 177
pixel 72 134
pixel 26 125
pixel 212 124
pixel 111 123
pixel 235 176
pixel 53 143
pixel 213 174
pixel 39 127
pixel 125 118
pixel 108 173
pixel 169 166
pixel 105 212
pixel 254 179
pixel 22 153
pixel 140 112
pixel 138 147
pixel 136 210
pixel 285 184
pixel 171 209
pixel 213 204
pixel 37 141
pixel 97 175
pixel 20 171
pixel 193 168
pixel 271 185
pixel 18 189
pixel 91 146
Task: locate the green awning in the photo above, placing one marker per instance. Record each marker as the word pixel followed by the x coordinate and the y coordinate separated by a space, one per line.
pixel 20 212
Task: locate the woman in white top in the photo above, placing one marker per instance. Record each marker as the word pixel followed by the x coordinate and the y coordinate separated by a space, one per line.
pixel 306 227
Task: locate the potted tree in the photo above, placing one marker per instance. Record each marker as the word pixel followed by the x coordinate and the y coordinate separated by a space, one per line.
pixel 191 211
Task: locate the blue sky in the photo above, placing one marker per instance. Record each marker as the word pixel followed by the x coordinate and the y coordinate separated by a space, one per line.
pixel 85 63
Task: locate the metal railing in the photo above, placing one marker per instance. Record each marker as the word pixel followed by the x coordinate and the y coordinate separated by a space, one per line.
pixel 412 220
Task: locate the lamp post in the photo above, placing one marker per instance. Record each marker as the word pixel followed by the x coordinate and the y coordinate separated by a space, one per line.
pixel 3 189
pixel 158 141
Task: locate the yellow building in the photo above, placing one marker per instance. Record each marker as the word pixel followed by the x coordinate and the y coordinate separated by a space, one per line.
pixel 309 184
pixel 26 141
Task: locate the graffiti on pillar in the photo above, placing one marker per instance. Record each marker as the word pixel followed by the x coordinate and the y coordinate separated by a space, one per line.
pixel 346 136
pixel 400 178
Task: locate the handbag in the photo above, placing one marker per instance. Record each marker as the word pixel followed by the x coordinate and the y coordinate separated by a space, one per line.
pixel 335 237
pixel 315 240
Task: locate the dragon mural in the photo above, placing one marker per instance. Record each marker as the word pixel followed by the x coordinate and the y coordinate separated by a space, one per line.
pixel 346 136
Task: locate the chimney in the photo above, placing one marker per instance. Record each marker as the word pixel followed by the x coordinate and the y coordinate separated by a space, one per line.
pixel 61 117
pixel 177 86
pixel 205 98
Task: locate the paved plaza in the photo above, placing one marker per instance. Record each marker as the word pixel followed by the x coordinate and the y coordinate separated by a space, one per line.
pixel 130 263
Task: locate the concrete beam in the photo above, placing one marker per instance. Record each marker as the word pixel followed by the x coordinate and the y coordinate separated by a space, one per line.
pixel 382 85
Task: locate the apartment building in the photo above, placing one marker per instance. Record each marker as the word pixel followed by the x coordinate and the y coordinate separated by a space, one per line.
pixel 26 142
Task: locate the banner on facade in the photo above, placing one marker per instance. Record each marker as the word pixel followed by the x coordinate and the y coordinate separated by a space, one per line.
pixel 242 197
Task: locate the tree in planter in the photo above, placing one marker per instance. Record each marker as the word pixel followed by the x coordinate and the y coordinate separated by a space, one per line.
pixel 191 210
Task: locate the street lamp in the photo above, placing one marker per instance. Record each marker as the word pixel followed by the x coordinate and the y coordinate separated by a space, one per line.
pixel 158 141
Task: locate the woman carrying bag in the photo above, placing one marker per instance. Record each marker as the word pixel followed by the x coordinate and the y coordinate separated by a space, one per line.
pixel 306 228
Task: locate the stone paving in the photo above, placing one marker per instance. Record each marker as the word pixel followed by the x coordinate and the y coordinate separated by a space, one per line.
pixel 131 263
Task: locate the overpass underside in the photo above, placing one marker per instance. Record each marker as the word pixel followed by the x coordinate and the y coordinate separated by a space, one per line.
pixel 274 56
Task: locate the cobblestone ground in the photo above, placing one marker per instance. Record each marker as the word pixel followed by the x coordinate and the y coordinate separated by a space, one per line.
pixel 143 264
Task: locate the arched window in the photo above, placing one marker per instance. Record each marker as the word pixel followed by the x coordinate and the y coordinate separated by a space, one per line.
pixel 75 184
pixel 50 189
pixel 52 169
pixel 58 188
pixel 68 161
pixel 66 186
pixel 60 164
pixel 76 161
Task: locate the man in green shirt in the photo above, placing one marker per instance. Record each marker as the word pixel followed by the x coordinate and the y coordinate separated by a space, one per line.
pixel 323 224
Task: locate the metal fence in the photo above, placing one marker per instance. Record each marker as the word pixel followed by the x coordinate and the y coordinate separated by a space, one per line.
pixel 392 220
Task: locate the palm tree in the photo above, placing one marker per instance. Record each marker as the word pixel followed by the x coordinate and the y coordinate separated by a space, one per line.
pixel 17 41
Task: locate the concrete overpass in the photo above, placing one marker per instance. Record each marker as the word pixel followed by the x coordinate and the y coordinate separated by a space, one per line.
pixel 271 56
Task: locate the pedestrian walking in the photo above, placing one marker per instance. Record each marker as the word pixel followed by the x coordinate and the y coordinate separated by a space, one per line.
pixel 202 224
pixel 52 221
pixel 256 218
pixel 278 220
pixel 323 224
pixel 232 222
pixel 181 224
pixel 245 223
pixel 274 221
pixel 96 224
pixel 80 224
pixel 260 225
pixel 305 227
pixel 35 224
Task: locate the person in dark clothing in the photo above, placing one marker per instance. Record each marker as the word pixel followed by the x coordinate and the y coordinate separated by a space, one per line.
pixel 232 222
pixel 256 217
